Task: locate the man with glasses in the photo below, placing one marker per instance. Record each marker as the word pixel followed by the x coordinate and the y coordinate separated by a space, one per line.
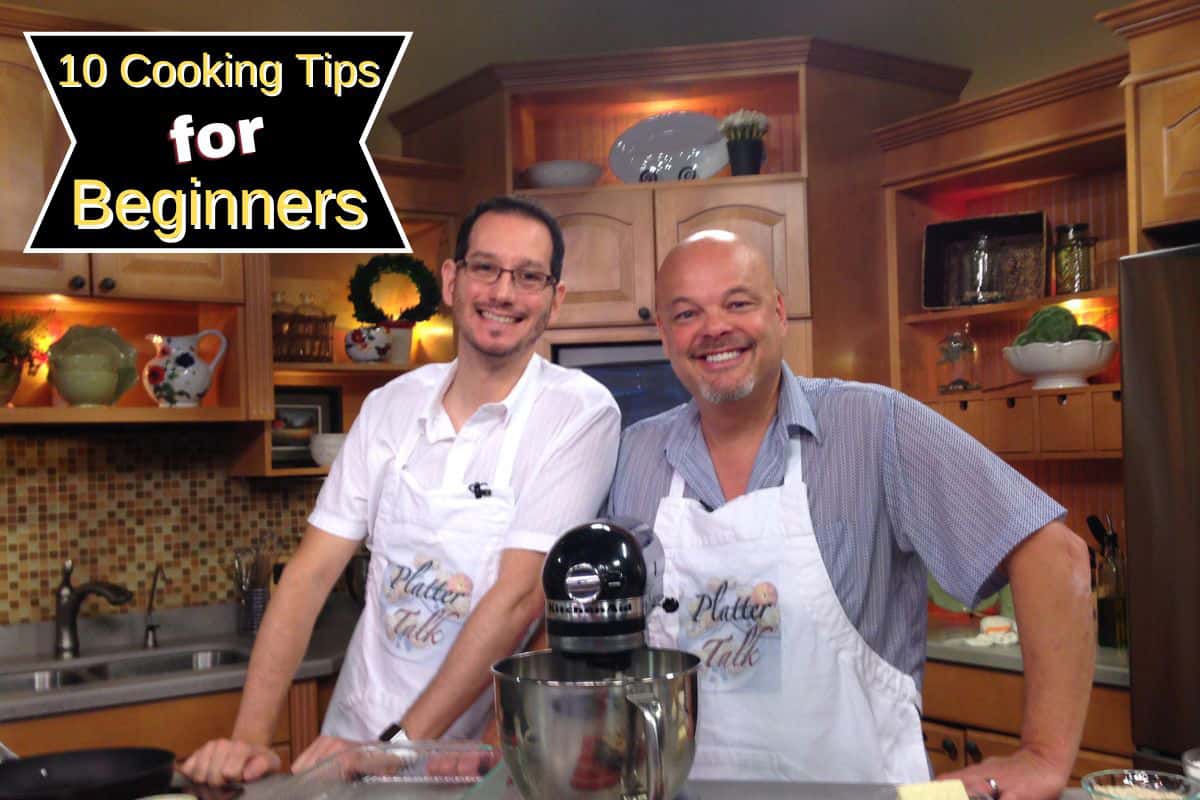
pixel 459 477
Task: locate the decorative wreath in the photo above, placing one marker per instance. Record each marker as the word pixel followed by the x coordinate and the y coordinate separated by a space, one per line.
pixel 368 274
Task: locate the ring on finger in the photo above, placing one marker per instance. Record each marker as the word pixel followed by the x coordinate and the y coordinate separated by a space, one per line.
pixel 994 788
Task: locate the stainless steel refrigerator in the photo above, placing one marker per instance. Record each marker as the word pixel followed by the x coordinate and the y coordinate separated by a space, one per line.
pixel 1160 387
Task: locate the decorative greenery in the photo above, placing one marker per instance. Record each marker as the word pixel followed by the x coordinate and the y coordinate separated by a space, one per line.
pixel 745 124
pixel 367 275
pixel 16 338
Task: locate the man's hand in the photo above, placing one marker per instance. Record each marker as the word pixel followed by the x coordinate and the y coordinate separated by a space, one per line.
pixel 223 761
pixel 322 748
pixel 1024 775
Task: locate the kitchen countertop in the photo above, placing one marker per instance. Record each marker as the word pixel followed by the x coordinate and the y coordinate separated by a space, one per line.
pixel 104 637
pixel 944 642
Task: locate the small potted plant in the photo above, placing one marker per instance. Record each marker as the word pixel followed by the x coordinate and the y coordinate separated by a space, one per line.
pixel 743 131
pixel 383 335
pixel 17 349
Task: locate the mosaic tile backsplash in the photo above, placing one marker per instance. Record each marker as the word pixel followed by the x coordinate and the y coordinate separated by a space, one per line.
pixel 120 500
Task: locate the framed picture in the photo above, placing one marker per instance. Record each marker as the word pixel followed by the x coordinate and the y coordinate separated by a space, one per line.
pixel 301 412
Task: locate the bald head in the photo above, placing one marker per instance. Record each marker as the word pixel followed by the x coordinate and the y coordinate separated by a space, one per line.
pixel 720 251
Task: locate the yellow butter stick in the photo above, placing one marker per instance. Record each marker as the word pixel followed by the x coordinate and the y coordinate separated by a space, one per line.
pixel 935 790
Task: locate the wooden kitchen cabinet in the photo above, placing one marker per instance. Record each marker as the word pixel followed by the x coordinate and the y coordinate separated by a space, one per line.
pixel 944 746
pixel 769 214
pixel 179 724
pixel 966 414
pixel 1162 119
pixel 32 144
pixel 1106 419
pixel 1008 424
pixel 1064 421
pixel 609 264
pixel 211 278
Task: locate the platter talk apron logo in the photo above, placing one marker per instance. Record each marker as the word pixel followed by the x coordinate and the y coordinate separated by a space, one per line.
pixel 425 600
pixel 734 627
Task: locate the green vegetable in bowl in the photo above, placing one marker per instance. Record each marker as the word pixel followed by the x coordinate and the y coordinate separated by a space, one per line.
pixel 1092 333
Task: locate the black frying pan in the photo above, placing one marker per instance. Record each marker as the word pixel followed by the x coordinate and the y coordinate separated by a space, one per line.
pixel 118 773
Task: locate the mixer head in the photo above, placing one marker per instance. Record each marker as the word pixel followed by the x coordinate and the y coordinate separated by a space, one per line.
pixel 602 580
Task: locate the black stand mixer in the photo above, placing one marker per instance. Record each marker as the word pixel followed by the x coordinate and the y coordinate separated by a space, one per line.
pixel 600 715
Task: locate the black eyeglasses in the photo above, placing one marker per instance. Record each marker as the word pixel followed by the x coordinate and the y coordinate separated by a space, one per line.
pixel 527 280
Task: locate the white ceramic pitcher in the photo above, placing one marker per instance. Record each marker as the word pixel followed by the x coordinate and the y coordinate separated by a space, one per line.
pixel 177 377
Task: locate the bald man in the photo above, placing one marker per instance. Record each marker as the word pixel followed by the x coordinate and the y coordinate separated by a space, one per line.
pixel 799 516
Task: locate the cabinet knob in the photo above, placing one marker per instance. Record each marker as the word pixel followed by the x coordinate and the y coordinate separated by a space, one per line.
pixel 644 314
pixel 107 285
pixel 973 752
pixel 76 283
pixel 950 748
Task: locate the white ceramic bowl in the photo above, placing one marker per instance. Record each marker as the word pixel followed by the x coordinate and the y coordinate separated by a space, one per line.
pixel 325 446
pixel 1060 365
pixel 549 174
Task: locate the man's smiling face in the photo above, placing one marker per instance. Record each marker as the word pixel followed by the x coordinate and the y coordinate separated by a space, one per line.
pixel 499 320
pixel 721 318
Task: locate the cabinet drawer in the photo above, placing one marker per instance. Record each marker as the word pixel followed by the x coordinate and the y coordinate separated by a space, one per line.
pixel 966 414
pixel 944 746
pixel 1106 419
pixel 1008 424
pixel 1088 761
pixel 1064 422
pixel 982 744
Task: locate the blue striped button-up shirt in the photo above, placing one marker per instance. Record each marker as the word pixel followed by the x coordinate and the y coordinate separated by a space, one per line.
pixel 894 488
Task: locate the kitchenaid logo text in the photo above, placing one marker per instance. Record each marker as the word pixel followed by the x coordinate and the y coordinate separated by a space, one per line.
pixel 422 600
pixel 619 608
pixel 218 142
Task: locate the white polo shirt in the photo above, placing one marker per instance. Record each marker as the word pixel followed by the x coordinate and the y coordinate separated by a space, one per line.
pixel 563 466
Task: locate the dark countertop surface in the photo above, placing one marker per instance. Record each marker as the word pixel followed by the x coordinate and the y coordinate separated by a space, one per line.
pixel 946 642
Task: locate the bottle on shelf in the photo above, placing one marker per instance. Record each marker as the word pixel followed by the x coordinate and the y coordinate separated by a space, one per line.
pixel 958 356
pixel 1073 259
pixel 981 274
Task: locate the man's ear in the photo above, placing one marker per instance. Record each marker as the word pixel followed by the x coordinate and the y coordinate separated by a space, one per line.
pixel 449 276
pixel 560 291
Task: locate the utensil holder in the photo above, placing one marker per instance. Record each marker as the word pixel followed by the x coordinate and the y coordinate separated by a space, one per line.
pixel 253 606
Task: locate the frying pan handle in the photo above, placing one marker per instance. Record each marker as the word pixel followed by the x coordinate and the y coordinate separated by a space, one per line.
pixel 648 703
pixel 6 754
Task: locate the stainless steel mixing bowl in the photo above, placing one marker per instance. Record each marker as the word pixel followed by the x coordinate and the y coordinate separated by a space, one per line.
pixel 571 730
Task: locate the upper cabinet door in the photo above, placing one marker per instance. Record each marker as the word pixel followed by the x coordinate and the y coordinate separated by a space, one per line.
pixel 609 264
pixel 168 276
pixel 1169 145
pixel 769 215
pixel 32 144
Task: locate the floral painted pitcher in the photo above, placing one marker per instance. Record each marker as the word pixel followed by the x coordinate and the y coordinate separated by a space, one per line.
pixel 176 377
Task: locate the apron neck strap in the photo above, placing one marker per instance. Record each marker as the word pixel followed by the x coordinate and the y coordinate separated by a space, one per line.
pixel 793 475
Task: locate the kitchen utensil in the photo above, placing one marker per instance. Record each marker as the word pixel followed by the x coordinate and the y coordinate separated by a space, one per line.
pixel 409 770
pixel 570 728
pixel 116 773
pixel 564 172
pixel 1099 533
pixel 92 365
pixel 599 716
pixel 676 146
pixel 1060 365
pixel 1120 784
pixel 177 377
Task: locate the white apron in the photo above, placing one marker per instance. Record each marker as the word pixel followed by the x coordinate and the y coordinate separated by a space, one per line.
pixel 434 553
pixel 788 688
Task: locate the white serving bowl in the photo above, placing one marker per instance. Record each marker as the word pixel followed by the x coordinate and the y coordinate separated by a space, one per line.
pixel 325 446
pixel 550 174
pixel 1060 365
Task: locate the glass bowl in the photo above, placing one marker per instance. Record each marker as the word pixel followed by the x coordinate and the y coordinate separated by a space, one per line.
pixel 1140 784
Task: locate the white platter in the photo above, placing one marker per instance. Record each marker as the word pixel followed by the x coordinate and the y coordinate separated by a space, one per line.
pixel 678 145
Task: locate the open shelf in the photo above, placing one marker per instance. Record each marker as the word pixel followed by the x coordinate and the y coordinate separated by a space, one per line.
pixel 1005 311
pixel 70 415
pixel 284 370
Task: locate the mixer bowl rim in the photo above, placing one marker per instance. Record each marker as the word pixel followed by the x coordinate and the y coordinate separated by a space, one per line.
pixel 608 682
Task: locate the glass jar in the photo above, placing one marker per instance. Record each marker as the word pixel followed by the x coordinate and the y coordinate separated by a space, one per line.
pixel 958 357
pixel 1073 259
pixel 281 321
pixel 981 274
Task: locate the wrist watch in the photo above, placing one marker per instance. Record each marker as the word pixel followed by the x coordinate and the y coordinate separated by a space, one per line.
pixel 394 734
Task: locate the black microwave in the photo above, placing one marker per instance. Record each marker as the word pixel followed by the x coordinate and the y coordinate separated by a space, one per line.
pixel 637 373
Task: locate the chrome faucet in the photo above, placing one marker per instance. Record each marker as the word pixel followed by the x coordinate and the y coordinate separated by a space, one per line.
pixel 68 599
pixel 150 639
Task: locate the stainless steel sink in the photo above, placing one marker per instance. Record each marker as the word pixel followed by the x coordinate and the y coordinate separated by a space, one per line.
pixel 132 665
pixel 166 663
pixel 40 680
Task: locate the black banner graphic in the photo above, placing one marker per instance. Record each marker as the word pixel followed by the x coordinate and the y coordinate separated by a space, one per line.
pixel 239 142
